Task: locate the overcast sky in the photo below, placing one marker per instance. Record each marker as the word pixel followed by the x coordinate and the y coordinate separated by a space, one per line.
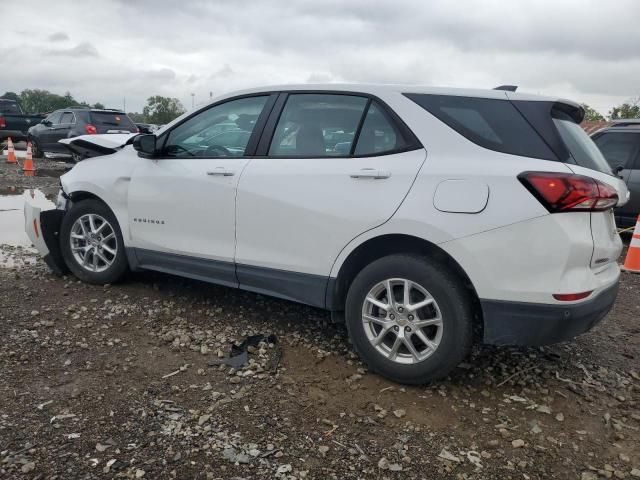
pixel 588 51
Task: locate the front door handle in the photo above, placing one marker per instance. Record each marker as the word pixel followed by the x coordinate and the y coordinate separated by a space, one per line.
pixel 223 172
pixel 374 173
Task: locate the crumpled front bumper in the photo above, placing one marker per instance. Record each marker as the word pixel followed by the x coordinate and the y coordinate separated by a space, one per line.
pixel 43 229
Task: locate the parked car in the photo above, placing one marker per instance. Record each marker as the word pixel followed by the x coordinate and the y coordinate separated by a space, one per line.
pixel 72 122
pixel 620 145
pixel 456 216
pixel 14 123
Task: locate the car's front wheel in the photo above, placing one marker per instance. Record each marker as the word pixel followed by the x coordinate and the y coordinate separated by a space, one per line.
pixel 409 318
pixel 92 244
pixel 35 148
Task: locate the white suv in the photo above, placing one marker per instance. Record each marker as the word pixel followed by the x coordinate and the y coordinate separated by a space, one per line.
pixel 426 218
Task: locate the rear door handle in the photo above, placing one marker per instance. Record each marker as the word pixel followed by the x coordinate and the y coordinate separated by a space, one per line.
pixel 221 171
pixel 374 173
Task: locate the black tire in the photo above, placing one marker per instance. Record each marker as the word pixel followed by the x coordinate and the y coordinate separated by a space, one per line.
pixel 455 306
pixel 119 264
pixel 35 148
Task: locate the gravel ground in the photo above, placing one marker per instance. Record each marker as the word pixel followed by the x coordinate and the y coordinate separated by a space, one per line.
pixel 117 382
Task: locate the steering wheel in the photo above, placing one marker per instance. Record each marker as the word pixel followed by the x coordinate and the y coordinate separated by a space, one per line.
pixel 181 148
pixel 217 151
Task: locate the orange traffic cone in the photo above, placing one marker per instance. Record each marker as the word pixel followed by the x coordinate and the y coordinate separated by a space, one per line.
pixel 11 157
pixel 29 168
pixel 632 262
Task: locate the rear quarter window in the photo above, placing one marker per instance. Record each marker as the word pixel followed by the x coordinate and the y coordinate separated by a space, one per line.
pixel 491 123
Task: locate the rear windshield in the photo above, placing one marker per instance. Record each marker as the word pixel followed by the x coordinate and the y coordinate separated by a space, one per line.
pixel 111 119
pixel 489 122
pixel 584 152
pixel 9 107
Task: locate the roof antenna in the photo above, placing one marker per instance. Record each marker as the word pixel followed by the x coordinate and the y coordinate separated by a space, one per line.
pixel 507 88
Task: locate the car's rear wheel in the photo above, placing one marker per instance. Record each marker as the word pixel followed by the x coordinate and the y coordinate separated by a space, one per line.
pixel 92 244
pixel 409 318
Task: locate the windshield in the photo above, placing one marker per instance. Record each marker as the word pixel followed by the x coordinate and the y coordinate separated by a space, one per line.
pixel 584 152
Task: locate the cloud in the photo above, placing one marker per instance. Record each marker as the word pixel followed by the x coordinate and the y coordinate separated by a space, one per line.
pixel 84 49
pixel 573 48
pixel 58 37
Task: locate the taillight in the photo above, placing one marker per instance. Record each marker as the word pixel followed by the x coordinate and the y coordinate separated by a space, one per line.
pixel 3 122
pixel 90 129
pixel 567 192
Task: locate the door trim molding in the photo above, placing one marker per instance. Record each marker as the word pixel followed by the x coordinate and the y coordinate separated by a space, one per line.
pixel 305 288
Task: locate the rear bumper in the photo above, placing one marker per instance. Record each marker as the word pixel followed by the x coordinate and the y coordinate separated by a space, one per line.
pixel 520 323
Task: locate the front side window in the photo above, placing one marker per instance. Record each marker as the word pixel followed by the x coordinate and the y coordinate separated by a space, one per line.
pixel 618 148
pixel 317 125
pixel 221 131
pixel 54 118
pixel 67 117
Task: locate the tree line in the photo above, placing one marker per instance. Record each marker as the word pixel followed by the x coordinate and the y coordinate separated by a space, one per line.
pixel 158 110
pixel 161 110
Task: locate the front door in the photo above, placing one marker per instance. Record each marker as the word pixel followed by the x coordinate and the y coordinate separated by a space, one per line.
pixel 182 204
pixel 336 166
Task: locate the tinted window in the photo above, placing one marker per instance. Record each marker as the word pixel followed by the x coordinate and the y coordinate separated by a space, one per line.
pixel 317 125
pixel 618 148
pixel 9 107
pixel 378 134
pixel 583 151
pixel 54 118
pixel 491 123
pixel 111 119
pixel 67 117
pixel 221 131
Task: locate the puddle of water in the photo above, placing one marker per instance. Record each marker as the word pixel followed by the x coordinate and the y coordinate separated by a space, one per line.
pixel 14 242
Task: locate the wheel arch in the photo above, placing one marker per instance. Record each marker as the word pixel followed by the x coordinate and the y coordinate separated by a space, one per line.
pixel 389 244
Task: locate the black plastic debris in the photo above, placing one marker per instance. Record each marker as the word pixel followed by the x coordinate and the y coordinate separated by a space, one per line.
pixel 239 355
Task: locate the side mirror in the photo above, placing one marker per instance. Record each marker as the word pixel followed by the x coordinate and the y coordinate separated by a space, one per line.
pixel 145 145
pixel 46 123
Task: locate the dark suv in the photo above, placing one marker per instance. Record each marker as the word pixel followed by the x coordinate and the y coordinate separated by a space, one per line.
pixel 620 145
pixel 72 122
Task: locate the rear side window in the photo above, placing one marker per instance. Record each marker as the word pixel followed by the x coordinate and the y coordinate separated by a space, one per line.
pixel 491 123
pixel 618 148
pixel 111 119
pixel 379 134
pixel 317 125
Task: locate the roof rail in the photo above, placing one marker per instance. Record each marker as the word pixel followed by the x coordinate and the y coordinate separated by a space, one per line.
pixel 626 122
pixel 507 88
pixel 79 107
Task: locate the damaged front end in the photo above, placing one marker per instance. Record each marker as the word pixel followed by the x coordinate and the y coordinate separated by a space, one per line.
pixel 43 228
pixel 89 146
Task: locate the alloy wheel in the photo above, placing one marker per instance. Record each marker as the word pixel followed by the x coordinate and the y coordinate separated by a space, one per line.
pixel 94 244
pixel 402 321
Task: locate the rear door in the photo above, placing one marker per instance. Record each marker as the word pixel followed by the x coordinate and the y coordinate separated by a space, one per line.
pixel 331 167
